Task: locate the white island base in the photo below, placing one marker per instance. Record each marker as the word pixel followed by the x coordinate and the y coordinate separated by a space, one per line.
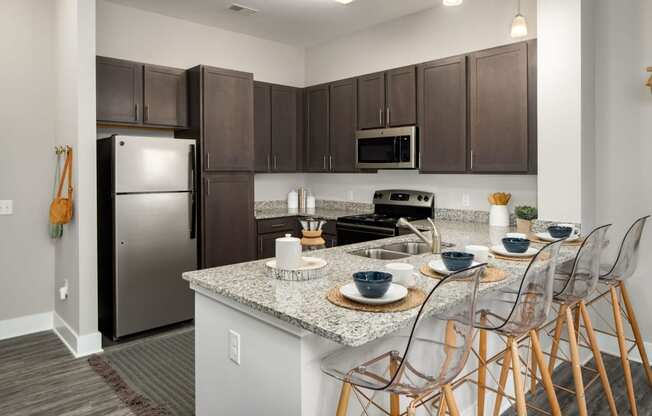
pixel 279 371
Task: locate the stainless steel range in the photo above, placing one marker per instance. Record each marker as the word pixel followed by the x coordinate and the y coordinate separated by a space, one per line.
pixel 389 206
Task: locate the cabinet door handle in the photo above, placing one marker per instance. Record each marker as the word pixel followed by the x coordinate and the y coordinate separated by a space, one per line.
pixel 136 111
pixel 275 162
pixel 208 187
pixel 279 225
pixel 380 116
pixel 269 162
pixel 146 113
pixel 330 163
pixel 260 245
pixel 387 116
pixel 471 159
pixel 324 162
pixel 208 160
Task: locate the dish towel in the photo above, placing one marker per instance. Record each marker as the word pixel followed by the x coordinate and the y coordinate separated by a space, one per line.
pixel 56 230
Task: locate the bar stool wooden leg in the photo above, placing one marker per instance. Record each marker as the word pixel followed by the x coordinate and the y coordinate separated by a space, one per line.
pixel 519 388
pixel 442 405
pixel 556 337
pixel 624 358
pixel 545 375
pixel 450 401
pixel 637 332
pixel 343 404
pixel 576 365
pixel 598 358
pixel 533 376
pixel 482 371
pixel 394 400
pixel 504 371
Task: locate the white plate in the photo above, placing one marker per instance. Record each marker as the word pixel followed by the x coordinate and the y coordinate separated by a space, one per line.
pixel 394 294
pixel 439 267
pixel 547 237
pixel 502 251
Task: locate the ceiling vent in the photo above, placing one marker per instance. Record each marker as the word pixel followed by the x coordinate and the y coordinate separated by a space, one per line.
pixel 243 10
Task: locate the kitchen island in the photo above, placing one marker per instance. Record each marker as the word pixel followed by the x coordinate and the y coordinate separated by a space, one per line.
pixel 260 341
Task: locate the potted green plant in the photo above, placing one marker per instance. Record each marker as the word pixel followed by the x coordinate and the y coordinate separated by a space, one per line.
pixel 524 216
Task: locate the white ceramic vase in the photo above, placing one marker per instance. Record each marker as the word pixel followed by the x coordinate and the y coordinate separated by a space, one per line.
pixel 498 216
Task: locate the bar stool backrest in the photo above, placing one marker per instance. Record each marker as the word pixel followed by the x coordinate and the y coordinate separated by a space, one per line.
pixel 434 352
pixel 627 260
pixel 516 312
pixel 586 267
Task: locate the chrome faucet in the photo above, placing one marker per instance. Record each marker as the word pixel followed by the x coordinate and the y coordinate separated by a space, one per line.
pixel 434 241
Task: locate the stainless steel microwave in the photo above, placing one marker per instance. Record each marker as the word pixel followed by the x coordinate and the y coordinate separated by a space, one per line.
pixel 390 148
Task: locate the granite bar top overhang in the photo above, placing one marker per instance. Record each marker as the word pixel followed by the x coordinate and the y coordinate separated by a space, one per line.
pixel 330 210
pixel 304 304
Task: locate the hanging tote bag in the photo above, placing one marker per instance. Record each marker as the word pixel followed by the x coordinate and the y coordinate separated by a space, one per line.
pixel 61 208
pixel 56 230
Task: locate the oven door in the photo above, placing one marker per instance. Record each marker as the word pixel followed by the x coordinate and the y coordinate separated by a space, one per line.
pixel 394 148
pixel 351 234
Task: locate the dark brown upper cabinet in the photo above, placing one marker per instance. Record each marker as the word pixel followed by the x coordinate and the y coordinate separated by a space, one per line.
pixel 262 127
pixel 119 90
pixel 228 231
pixel 227 120
pixel 387 99
pixel 284 128
pixel 401 107
pixel 135 93
pixel 442 115
pixel 343 98
pixel 276 127
pixel 166 97
pixel 498 99
pixel 317 128
pixel 371 101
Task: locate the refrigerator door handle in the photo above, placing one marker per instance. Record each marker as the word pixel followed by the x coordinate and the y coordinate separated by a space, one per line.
pixel 193 202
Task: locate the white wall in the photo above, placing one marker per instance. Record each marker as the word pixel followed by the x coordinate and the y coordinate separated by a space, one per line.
pixel 27 157
pixel 128 33
pixel 623 127
pixel 436 33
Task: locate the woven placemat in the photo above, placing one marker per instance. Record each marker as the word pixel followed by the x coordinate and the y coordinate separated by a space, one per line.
pixel 508 258
pixel 414 298
pixel 533 238
pixel 490 275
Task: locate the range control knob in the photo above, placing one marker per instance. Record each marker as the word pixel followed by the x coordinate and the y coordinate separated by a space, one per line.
pixel 419 197
pixel 426 198
pixel 378 195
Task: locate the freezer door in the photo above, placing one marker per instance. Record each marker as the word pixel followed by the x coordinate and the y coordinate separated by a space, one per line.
pixel 153 164
pixel 154 247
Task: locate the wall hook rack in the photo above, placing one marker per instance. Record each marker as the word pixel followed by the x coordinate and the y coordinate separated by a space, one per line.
pixel 649 81
pixel 60 150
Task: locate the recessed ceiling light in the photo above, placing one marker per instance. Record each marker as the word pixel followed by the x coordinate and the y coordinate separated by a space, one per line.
pixel 344 1
pixel 452 2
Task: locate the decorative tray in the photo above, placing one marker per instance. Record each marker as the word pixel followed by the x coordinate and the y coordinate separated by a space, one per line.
pixel 311 268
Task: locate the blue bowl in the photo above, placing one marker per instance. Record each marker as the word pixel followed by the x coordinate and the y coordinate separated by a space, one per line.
pixel 516 245
pixel 372 284
pixel 559 232
pixel 456 260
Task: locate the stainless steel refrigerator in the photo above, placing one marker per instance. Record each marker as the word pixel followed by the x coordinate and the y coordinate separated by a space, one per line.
pixel 147 216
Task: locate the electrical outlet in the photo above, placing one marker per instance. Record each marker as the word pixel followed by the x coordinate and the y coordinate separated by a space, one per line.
pixel 466 200
pixel 6 207
pixel 234 346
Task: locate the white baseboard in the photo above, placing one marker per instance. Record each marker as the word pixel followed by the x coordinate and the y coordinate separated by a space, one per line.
pixel 24 325
pixel 79 346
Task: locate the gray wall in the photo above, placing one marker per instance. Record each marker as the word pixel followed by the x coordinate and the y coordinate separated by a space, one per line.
pixel 26 157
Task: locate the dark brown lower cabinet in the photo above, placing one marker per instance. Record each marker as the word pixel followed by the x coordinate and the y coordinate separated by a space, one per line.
pixel 228 225
pixel 267 244
pixel 442 115
pixel 498 119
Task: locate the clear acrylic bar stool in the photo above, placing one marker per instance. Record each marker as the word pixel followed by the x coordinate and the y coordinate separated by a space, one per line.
pixel 614 276
pixel 516 314
pixel 574 282
pixel 415 365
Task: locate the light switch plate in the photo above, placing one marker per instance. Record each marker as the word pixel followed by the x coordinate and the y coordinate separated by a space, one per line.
pixel 6 207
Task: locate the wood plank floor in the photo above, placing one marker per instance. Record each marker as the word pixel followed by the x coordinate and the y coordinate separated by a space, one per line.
pixel 39 376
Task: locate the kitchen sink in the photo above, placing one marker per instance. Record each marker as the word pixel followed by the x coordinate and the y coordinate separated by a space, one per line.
pixel 379 254
pixel 413 248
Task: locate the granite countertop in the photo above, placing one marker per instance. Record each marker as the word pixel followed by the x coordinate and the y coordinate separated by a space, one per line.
pixel 304 304
pixel 321 212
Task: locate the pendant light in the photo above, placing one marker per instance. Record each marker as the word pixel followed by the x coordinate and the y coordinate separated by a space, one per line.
pixel 452 2
pixel 519 25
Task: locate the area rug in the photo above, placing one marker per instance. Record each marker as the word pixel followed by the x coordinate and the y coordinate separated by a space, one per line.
pixel 154 376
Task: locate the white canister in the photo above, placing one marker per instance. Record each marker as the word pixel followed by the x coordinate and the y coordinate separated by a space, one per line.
pixel 288 252
pixel 310 202
pixel 499 216
pixel 293 200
